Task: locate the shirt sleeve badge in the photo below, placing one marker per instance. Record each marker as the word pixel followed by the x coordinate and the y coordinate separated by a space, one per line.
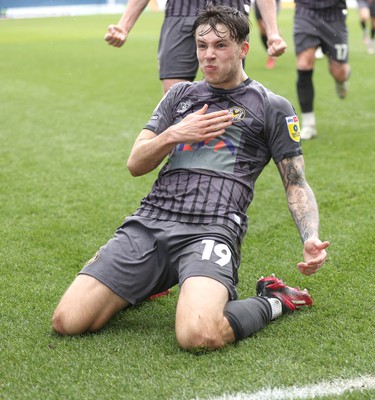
pixel 293 127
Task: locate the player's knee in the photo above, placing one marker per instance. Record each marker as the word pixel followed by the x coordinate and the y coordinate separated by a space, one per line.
pixel 64 324
pixel 340 72
pixel 58 322
pixel 195 337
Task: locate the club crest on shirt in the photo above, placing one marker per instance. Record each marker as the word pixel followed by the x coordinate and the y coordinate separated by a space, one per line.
pixel 94 258
pixel 238 113
pixel 293 127
pixel 184 106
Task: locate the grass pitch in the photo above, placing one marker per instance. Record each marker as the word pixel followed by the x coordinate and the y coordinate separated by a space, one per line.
pixel 71 107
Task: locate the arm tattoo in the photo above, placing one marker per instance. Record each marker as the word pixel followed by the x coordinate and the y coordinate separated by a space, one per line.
pixel 301 199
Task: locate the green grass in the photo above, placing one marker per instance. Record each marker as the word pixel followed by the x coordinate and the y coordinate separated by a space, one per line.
pixel 71 107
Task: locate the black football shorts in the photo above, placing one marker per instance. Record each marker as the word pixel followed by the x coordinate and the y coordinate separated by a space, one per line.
pixel 177 56
pixel 331 36
pixel 147 256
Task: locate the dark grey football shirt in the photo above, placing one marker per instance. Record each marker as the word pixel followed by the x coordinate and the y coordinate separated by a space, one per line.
pixel 213 181
pixel 190 8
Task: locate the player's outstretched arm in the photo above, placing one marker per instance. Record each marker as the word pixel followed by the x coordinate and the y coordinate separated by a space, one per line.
pixel 149 149
pixel 117 34
pixel 276 44
pixel 304 210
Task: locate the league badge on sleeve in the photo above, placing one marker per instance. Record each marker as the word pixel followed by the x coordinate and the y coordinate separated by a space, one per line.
pixel 293 127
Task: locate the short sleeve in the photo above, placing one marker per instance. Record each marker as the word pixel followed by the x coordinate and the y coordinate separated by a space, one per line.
pixel 282 129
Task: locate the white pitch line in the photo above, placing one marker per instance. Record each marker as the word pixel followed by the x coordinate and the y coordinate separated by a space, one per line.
pixel 336 387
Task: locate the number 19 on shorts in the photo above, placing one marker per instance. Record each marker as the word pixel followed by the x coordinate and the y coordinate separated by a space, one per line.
pixel 220 250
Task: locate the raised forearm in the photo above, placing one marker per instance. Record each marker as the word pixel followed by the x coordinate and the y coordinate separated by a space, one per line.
pixel 304 210
pixel 132 12
pixel 268 12
pixel 301 200
pixel 148 152
pixel 276 44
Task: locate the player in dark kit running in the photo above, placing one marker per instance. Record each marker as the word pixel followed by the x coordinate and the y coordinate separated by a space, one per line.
pixel 177 53
pixel 319 23
pixel 218 135
pixel 366 10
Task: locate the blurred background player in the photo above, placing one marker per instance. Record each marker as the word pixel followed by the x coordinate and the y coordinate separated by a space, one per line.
pixel 370 47
pixel 364 17
pixel 177 53
pixel 319 23
pixel 271 61
pixel 366 10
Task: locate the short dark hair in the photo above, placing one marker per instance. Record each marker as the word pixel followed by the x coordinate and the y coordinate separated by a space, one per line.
pixel 236 22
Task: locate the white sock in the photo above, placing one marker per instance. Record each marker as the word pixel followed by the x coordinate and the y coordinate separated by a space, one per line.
pixel 277 308
pixel 308 119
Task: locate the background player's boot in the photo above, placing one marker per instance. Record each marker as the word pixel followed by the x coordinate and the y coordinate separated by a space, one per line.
pixel 308 129
pixel 370 47
pixel 271 62
pixel 308 132
pixel 342 89
pixel 291 298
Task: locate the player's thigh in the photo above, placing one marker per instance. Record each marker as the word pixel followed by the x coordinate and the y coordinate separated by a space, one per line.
pixel 364 13
pixel 200 314
pixel 305 34
pixel 201 299
pixel 208 269
pixel 335 40
pixel 135 262
pixel 306 59
pixel 86 306
pixel 210 251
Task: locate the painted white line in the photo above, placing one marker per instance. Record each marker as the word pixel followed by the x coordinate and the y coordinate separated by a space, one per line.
pixel 336 387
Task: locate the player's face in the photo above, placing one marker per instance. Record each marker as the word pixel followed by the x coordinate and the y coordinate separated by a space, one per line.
pixel 220 57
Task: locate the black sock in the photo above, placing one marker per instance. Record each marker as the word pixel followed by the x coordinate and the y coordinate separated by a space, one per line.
pixel 305 90
pixel 248 316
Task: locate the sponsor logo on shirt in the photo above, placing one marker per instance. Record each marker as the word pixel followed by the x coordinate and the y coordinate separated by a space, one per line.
pixel 214 143
pixel 215 154
pixel 293 127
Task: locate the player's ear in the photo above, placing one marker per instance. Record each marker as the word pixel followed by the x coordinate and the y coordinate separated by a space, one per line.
pixel 245 47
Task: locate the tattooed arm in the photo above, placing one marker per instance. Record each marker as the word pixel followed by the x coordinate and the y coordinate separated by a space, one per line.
pixel 304 210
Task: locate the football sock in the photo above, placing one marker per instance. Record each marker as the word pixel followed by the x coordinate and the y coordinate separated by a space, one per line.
pixel 248 316
pixel 308 119
pixel 277 307
pixel 305 90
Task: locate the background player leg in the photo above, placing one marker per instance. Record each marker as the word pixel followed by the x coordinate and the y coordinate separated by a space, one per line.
pixel 305 92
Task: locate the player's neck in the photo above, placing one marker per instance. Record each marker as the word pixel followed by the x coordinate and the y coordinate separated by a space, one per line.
pixel 232 83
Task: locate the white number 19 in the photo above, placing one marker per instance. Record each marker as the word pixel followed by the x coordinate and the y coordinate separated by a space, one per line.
pixel 221 250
